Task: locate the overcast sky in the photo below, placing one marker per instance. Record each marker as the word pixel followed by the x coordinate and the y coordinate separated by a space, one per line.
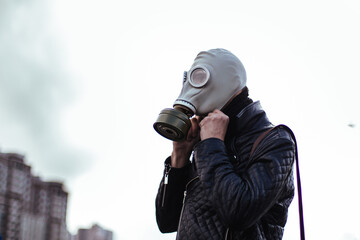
pixel 81 83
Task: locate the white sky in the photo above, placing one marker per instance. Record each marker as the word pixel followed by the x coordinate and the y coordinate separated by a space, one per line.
pixel 112 66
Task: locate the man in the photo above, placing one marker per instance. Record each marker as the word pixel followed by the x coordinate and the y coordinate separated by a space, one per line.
pixel 225 192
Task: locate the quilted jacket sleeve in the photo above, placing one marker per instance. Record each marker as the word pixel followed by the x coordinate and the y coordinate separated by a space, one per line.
pixel 169 198
pixel 241 200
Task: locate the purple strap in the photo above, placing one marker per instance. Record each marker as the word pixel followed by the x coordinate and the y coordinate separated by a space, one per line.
pixel 301 214
pixel 298 180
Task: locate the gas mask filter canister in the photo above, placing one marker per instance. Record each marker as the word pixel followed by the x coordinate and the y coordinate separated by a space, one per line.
pixel 174 124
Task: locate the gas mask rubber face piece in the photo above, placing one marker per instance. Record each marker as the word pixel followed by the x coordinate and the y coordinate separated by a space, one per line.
pixel 213 79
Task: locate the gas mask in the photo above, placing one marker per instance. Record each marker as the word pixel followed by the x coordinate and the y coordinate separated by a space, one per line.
pixel 214 78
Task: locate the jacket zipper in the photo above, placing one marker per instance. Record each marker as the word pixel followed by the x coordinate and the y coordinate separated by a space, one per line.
pixel 233 148
pixel 227 233
pixel 166 181
pixel 183 204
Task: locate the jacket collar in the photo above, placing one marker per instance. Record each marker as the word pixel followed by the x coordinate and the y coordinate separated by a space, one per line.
pixel 252 118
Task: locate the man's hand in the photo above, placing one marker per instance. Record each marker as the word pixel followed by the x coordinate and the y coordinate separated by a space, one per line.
pixel 182 150
pixel 214 125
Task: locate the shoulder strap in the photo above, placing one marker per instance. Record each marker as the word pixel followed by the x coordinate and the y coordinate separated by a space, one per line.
pixel 259 139
pixel 256 143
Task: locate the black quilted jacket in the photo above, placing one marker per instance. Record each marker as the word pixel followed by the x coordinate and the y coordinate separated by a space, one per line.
pixel 223 194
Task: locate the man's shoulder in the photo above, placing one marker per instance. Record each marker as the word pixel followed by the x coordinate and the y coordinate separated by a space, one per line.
pixel 281 138
pixel 283 132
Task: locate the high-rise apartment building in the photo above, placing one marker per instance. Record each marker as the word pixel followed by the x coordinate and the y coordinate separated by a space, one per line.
pixel 30 209
pixel 94 233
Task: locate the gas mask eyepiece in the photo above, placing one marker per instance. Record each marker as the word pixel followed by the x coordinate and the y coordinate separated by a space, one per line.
pixel 199 76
